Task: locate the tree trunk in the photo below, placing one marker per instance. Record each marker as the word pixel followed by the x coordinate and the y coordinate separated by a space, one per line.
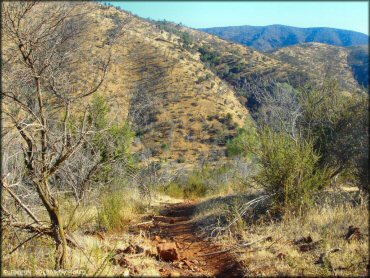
pixel 52 207
pixel 59 238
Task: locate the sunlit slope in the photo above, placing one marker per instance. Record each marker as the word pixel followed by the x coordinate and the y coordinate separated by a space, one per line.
pixel 180 108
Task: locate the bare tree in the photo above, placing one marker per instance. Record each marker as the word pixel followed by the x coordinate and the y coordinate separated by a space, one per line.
pixel 279 108
pixel 43 89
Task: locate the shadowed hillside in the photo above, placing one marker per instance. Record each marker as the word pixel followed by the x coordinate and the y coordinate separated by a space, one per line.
pixel 358 59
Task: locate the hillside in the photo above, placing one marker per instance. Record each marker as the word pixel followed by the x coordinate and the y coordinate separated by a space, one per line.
pixel 186 91
pixel 180 109
pixel 358 59
pixel 320 61
pixel 270 37
pixel 243 68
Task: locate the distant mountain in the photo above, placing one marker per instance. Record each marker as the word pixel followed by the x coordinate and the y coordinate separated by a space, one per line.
pixel 270 37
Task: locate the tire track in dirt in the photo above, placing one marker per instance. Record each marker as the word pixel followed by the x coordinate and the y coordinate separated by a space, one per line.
pixel 175 225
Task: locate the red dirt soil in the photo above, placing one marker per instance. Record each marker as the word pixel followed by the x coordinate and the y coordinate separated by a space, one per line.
pixel 175 225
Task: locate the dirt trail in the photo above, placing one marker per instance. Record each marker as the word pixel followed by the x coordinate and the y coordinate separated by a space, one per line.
pixel 174 225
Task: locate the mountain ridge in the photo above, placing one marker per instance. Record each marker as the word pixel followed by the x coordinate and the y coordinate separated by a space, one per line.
pixel 270 37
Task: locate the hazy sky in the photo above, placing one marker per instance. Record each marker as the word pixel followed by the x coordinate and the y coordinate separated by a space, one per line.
pixel 349 15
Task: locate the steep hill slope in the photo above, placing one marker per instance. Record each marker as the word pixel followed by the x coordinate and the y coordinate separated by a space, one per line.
pixel 358 59
pixel 180 109
pixel 241 66
pixel 320 61
pixel 270 37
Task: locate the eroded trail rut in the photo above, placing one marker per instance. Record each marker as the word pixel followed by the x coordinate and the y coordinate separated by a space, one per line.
pixel 195 253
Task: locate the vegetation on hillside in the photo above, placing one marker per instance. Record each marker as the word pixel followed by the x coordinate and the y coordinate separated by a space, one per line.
pixel 173 29
pixel 321 61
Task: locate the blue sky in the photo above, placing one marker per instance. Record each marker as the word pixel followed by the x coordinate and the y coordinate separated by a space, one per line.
pixel 349 15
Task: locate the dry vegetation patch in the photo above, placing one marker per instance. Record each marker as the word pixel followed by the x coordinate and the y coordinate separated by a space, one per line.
pixel 331 239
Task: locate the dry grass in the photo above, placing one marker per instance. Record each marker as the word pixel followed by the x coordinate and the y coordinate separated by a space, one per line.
pixel 147 59
pixel 36 258
pixel 93 260
pixel 318 58
pixel 327 222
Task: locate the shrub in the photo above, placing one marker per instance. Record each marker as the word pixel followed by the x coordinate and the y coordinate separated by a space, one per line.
pixel 238 145
pixel 110 213
pixel 165 146
pixel 174 189
pixel 117 210
pixel 196 186
pixel 338 123
pixel 180 160
pixel 289 170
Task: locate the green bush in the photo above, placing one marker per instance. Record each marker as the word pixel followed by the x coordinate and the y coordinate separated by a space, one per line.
pixel 174 29
pixel 338 124
pixel 111 141
pixel 110 213
pixel 289 170
pixel 165 146
pixel 174 189
pixel 117 210
pixel 180 160
pixel 196 186
pixel 247 136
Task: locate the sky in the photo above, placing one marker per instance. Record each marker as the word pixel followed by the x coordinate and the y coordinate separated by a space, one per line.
pixel 348 15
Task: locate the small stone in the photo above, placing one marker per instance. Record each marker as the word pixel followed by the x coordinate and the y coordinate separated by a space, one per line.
pixel 353 233
pixel 281 256
pixel 167 252
pixel 126 273
pixel 132 249
pixel 302 240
